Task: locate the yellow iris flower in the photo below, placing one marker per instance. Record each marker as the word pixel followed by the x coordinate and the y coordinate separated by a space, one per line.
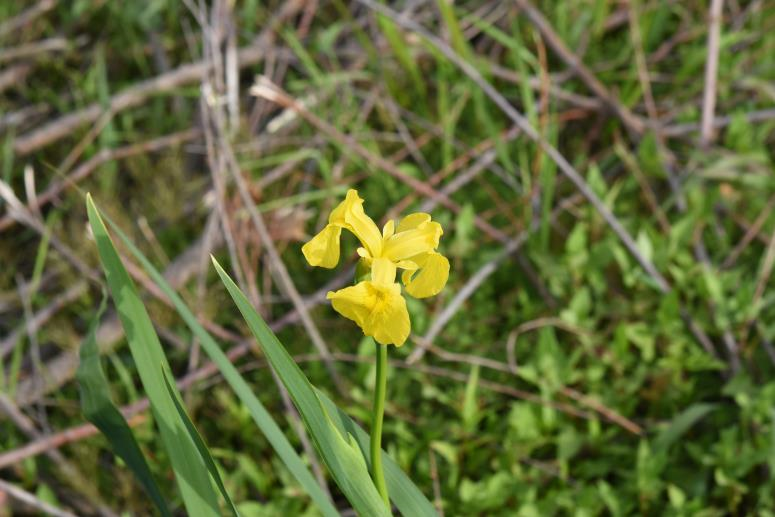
pixel 376 305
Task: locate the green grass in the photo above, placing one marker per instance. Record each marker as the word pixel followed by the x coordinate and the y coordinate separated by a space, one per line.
pixel 575 313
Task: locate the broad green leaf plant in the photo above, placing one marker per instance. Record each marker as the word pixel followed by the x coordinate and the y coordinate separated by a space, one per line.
pixel 374 303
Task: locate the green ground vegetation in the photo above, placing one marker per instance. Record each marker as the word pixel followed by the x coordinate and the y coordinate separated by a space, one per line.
pixel 567 382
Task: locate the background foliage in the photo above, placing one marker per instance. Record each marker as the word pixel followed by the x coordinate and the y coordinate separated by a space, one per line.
pixel 566 383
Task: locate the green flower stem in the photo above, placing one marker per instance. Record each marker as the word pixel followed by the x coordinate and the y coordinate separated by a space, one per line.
pixel 375 445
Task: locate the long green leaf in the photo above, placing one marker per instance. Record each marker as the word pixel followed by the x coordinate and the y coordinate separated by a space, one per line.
pixel 681 424
pixel 260 415
pixel 98 408
pixel 403 492
pixel 340 452
pixel 200 444
pixel 191 473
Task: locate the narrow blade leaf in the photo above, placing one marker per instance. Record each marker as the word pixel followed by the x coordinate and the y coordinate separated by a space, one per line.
pixel 260 415
pixel 191 473
pixel 200 444
pixel 340 453
pixel 403 492
pixel 98 408
pixel 681 424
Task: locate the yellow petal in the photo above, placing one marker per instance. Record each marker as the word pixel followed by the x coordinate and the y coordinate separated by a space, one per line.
pixel 338 214
pixel 349 214
pixel 407 264
pixel 413 242
pixel 383 271
pixel 364 228
pixel 379 310
pixel 390 324
pixel 389 229
pixel 430 279
pixel 353 302
pixel 412 221
pixel 323 249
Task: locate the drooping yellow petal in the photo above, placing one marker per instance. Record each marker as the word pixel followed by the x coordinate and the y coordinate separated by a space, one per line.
pixel 413 242
pixel 412 221
pixel 323 249
pixel 378 309
pixel 390 324
pixel 430 279
pixel 354 302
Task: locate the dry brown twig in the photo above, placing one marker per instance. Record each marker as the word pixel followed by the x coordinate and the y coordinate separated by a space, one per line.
pixel 70 473
pixel 27 50
pixel 750 234
pixel 664 154
pixel 25 115
pixel 26 17
pixel 437 500
pixel 31 500
pixel 13 76
pixel 41 317
pixel 527 326
pixel 54 441
pixel 485 157
pixel 20 212
pixel 711 71
pixel 102 157
pixel 679 130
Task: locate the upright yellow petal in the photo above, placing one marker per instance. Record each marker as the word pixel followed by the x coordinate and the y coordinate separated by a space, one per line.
pixel 338 214
pixel 413 242
pixel 365 229
pixel 349 214
pixel 430 279
pixel 379 310
pixel 323 249
pixel 412 221
pixel 389 229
